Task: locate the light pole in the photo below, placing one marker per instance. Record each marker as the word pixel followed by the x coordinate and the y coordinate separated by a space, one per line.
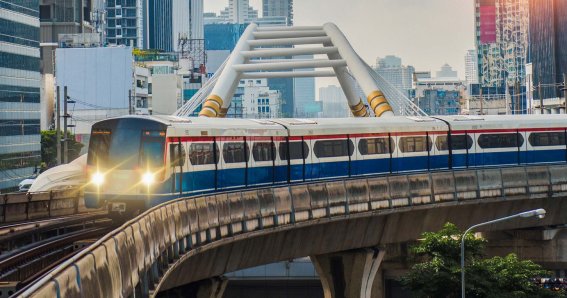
pixel 540 213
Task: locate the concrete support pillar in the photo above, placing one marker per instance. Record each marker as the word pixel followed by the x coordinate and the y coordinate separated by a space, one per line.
pixel 348 274
pixel 212 287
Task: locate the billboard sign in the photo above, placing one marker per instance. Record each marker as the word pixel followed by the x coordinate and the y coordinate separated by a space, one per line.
pixel 487 24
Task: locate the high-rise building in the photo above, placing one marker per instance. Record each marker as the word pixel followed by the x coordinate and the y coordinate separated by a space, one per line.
pixel 398 75
pixel 169 21
pixel 239 12
pixel 548 45
pixel 501 41
pixel 20 149
pixel 278 9
pixel 125 22
pixel 471 67
pixel 446 71
pixel 304 104
pixel 333 101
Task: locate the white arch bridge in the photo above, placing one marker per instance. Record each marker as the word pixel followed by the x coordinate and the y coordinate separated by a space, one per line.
pixel 259 52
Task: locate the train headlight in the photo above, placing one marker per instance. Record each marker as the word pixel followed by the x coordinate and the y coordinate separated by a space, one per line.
pixel 97 179
pixel 148 178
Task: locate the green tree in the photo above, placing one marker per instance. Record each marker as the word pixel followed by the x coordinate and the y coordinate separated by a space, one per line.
pixel 437 273
pixel 49 147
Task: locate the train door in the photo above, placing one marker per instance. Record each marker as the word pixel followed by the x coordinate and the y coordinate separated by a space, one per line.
pixel 522 147
pixel 280 162
pixel 295 151
pixel 177 160
pixel 261 170
pixel 373 154
pixel 235 154
pixel 414 151
pixel 439 159
pixel 203 163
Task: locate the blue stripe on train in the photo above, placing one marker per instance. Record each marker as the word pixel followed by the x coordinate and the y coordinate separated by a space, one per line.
pixel 204 181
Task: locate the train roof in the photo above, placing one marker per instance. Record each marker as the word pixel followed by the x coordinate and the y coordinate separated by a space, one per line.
pixel 461 122
pixel 202 126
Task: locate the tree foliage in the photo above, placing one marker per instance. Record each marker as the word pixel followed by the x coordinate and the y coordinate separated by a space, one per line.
pixel 438 273
pixel 49 147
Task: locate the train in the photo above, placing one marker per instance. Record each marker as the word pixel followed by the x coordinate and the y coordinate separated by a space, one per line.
pixel 136 162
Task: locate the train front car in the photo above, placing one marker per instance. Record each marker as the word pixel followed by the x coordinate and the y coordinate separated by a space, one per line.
pixel 126 163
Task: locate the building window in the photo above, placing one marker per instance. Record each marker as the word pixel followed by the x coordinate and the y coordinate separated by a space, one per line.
pixel 264 151
pixel 235 152
pixel 376 146
pixel 547 139
pixel 203 154
pixel 415 144
pixel 333 148
pixel 297 151
pixel 458 142
pixel 500 140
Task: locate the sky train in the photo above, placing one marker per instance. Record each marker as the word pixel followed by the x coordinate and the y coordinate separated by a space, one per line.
pixel 135 162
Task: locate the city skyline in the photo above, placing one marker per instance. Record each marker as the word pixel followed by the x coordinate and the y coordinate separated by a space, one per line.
pixel 430 43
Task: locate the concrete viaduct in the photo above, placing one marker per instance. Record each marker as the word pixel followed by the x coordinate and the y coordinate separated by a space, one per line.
pixel 344 226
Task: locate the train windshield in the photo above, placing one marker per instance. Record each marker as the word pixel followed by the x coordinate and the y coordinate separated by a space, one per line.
pixel 127 144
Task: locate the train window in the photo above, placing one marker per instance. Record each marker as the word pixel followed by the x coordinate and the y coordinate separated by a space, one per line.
pixel 547 139
pixel 500 140
pixel 296 150
pixel 264 151
pixel 177 155
pixel 203 154
pixel 99 146
pixel 333 148
pixel 458 142
pixel 376 146
pixel 415 144
pixel 235 152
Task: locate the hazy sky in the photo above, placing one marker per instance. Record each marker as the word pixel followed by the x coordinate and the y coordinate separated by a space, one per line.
pixel 424 33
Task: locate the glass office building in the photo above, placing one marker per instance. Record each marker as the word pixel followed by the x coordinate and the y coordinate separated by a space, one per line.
pixel 548 45
pixel 20 149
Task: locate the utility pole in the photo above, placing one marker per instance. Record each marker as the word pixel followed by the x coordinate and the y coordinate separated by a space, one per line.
pixel 540 95
pixel 517 108
pixel 58 126
pixel 65 135
pixel 565 91
pixel 130 102
pixel 481 102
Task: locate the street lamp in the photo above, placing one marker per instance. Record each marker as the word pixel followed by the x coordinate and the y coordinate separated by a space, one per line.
pixel 540 213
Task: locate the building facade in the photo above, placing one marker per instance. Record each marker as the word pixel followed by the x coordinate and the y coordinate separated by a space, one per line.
pixel 548 46
pixel 333 101
pixel 258 101
pixel 125 22
pixel 398 75
pixel 501 41
pixel 282 9
pixel 446 71
pixel 20 81
pixel 471 67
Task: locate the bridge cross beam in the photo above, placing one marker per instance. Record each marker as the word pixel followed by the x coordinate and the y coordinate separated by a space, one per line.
pixel 349 274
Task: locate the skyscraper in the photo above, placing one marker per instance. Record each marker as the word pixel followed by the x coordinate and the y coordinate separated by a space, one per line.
pixel 392 70
pixel 501 41
pixel 20 149
pixel 471 67
pixel 277 9
pixel 169 21
pixel 125 22
pixel 548 45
